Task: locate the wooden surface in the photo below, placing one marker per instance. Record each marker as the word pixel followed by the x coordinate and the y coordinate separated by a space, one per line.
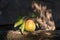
pixel 16 35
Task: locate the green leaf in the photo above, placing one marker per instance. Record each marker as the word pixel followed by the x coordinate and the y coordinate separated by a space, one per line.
pixel 37 25
pixel 22 27
pixel 18 18
pixel 18 23
pixel 33 15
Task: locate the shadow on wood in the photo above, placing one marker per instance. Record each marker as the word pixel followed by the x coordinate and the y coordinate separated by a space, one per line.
pixel 37 35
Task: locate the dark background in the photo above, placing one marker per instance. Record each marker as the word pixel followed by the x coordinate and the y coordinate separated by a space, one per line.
pixel 10 10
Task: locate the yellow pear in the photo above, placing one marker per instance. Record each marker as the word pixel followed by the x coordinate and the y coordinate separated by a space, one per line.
pixel 30 25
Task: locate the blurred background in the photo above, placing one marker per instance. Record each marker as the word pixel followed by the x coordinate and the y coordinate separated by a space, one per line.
pixel 10 10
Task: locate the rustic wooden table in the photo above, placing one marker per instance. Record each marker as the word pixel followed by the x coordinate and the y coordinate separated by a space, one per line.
pixel 16 35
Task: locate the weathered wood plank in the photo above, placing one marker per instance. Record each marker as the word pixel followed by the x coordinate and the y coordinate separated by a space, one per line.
pixel 16 35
